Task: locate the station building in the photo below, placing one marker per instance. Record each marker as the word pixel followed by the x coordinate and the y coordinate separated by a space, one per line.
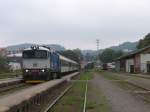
pixel 135 62
pixel 15 61
pixel 3 52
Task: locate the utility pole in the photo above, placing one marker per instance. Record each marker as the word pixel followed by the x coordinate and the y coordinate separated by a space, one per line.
pixel 97 44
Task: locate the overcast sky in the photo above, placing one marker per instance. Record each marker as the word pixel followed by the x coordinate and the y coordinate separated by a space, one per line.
pixel 73 23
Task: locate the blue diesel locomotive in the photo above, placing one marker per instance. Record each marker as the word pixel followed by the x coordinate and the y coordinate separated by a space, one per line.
pixel 41 64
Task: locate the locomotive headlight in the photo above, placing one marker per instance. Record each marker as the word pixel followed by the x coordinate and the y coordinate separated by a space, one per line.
pixel 43 70
pixel 27 70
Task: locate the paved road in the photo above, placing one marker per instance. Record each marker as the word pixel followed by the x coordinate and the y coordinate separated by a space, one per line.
pixel 119 99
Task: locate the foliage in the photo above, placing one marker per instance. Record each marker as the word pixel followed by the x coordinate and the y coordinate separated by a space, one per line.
pixel 89 66
pixel 3 65
pixel 89 57
pixel 75 55
pixel 144 42
pixel 108 55
pixel 79 53
pixel 118 53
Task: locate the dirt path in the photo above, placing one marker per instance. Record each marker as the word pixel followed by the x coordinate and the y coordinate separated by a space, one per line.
pixel 119 99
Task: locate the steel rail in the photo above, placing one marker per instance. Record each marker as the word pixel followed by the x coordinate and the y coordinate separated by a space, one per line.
pixel 57 99
pixel 13 88
pixel 85 96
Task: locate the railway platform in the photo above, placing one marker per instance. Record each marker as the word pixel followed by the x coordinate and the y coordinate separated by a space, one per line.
pixel 22 100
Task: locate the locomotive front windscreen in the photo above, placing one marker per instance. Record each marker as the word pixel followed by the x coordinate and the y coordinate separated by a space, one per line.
pixel 30 54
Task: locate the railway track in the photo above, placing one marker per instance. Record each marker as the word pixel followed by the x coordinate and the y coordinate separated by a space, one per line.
pixel 54 103
pixel 144 93
pixel 49 108
pixel 10 82
pixel 140 90
pixel 13 88
pixel 41 94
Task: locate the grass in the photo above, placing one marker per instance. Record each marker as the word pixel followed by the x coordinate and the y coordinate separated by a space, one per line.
pixel 86 76
pixel 109 75
pixel 97 101
pixel 74 99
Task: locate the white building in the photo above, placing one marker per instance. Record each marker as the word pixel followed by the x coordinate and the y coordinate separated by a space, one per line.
pixel 15 61
pixel 135 62
pixel 129 65
pixel 15 66
pixel 145 63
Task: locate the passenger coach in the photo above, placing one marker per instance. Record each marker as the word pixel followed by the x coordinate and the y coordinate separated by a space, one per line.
pixel 42 64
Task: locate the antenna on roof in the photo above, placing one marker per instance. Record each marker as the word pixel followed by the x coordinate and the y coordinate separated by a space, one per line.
pixel 35 47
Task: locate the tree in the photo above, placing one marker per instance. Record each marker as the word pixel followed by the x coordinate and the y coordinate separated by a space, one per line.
pixel 118 53
pixel 88 57
pixel 144 42
pixel 72 54
pixel 3 64
pixel 108 55
pixel 79 53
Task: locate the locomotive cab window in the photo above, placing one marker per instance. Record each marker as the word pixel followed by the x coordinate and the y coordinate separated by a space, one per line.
pixel 35 54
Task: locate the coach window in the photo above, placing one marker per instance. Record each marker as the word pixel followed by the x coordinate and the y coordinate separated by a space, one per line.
pixel 69 64
pixel 65 63
pixel 62 63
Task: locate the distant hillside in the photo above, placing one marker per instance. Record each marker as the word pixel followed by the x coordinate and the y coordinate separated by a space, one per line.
pixel 126 46
pixel 27 45
pixel 84 52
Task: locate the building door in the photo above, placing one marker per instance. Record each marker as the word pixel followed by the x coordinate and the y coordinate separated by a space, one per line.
pixel 131 68
pixel 148 68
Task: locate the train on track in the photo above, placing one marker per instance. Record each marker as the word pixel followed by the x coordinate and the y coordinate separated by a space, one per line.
pixel 40 64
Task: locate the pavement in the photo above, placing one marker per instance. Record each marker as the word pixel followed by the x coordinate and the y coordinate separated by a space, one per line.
pixel 18 97
pixel 119 99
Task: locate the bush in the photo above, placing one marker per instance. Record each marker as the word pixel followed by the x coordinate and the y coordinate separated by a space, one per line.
pixel 4 67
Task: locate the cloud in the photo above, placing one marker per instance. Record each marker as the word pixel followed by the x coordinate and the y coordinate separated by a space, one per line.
pixel 73 23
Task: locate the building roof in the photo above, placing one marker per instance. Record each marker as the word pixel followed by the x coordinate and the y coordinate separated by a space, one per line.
pixel 134 53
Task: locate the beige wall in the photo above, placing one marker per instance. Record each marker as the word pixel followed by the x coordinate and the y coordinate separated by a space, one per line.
pixel 145 58
pixel 129 62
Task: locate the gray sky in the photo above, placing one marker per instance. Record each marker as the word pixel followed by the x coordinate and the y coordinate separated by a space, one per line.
pixel 73 23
